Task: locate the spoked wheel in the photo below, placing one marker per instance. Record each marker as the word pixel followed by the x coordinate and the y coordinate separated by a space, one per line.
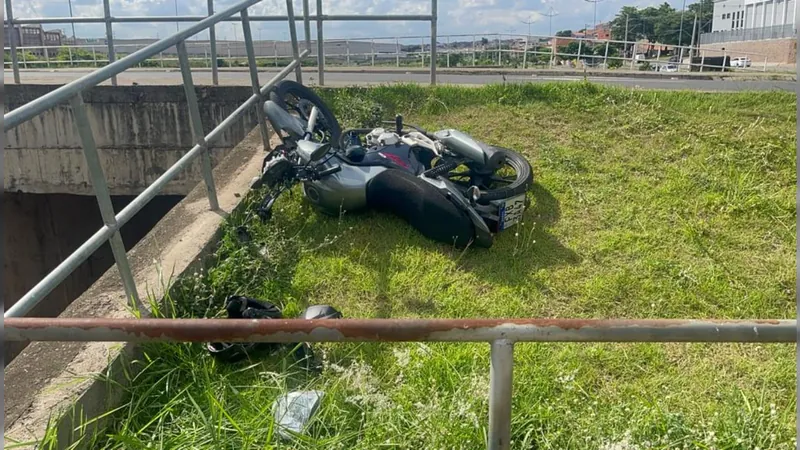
pixel 513 177
pixel 299 100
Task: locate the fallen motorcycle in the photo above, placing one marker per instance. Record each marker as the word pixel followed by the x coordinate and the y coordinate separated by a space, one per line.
pixel 449 186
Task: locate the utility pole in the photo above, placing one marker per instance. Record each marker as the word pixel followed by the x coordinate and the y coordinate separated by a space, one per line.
pixel 529 22
pixel 550 14
pixel 73 23
pixel 680 33
pixel 595 10
pixel 627 17
pixel 694 32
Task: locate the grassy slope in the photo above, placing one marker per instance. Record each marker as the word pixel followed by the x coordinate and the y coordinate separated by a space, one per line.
pixel 648 205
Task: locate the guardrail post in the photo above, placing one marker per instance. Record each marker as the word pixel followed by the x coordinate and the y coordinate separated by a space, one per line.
pixel 13 42
pixel 500 386
pixel 251 61
pixel 422 50
pixel 434 18
pixel 94 55
pixel 702 59
pixel 47 58
pixel 605 57
pixel 320 46
pixel 525 55
pixel 298 71
pixel 109 37
pixel 103 196
pixel 275 47
pixel 196 123
pixel 765 62
pixel 347 52
pixel 212 42
pixel 723 55
pixel 633 56
pixel 397 51
pixel 25 60
pixel 372 52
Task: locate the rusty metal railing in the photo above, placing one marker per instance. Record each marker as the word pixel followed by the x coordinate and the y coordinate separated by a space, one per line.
pixel 501 334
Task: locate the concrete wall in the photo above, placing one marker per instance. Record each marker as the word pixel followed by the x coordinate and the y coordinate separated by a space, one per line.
pixel 782 51
pixel 140 131
pixel 40 230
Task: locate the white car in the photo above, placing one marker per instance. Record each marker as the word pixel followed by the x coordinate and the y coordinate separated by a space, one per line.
pixel 668 68
pixel 741 62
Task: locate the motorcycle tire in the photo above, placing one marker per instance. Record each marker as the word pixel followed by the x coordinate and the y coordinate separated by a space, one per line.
pixel 521 185
pixel 295 89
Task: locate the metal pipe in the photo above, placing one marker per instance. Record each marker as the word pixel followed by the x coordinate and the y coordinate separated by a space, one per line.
pixel 434 13
pixel 62 94
pixel 398 330
pixel 500 387
pixel 13 40
pixel 251 62
pixel 109 38
pixel 320 47
pixel 196 124
pixel 525 55
pixel 293 34
pixel 397 51
pixel 103 196
pixel 212 42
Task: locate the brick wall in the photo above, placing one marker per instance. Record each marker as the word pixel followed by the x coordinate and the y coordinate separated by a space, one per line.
pixel 783 51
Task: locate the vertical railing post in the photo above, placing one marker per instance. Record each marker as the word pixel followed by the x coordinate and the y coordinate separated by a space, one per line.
pixel 501 374
pixel 251 62
pixel 275 47
pixel 372 52
pixel 13 41
pixel 320 46
pixel 473 51
pixel 307 25
pixel 702 59
pixel 723 55
pixel 69 50
pixel 525 55
pixel 298 71
pixel 765 64
pixel 447 52
pixel 499 52
pixel 109 36
pixel 422 50
pixel 47 58
pixel 633 56
pixel 605 57
pixel 212 42
pixel 347 52
pixel 196 123
pixel 434 17
pixel 397 51
pixel 103 196
pixel 25 60
pixel 94 55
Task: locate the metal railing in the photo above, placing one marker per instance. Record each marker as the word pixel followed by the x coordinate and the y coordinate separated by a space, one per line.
pixel 788 30
pixel 501 334
pixel 108 19
pixel 73 93
pixel 456 50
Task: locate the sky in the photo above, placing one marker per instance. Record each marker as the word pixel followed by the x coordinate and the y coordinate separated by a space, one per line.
pixel 455 16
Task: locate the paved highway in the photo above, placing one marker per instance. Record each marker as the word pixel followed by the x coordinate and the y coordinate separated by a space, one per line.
pixel 173 76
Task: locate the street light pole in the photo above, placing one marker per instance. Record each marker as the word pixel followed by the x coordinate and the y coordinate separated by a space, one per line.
pixel 73 23
pixel 177 27
pixel 627 18
pixel 550 15
pixel 680 35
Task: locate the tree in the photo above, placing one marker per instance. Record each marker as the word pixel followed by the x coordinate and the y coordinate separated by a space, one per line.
pixel 564 33
pixel 661 23
pixel 484 41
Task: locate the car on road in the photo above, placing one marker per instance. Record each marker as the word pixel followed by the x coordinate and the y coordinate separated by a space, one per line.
pixel 742 61
pixel 668 68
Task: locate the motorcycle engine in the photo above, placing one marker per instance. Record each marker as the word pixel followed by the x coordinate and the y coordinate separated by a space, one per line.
pixel 379 137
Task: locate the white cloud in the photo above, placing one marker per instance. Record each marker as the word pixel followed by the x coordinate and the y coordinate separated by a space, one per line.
pixel 455 17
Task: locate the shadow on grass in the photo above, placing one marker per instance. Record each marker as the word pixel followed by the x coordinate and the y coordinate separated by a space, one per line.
pixel 519 252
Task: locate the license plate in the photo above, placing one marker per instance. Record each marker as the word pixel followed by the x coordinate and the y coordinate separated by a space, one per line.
pixel 511 211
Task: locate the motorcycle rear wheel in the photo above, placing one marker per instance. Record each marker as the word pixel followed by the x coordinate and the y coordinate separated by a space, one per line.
pixel 298 99
pixel 496 185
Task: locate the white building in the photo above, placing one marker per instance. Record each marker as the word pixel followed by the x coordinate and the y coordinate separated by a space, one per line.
pixel 748 14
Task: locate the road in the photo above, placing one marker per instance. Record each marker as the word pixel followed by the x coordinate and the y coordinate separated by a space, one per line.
pixel 173 76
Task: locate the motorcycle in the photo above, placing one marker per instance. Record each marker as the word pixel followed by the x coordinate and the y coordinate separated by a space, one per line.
pixel 449 186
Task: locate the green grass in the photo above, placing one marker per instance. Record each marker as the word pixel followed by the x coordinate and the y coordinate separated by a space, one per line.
pixel 647 205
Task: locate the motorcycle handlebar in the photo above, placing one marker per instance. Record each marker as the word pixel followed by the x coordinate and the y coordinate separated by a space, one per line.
pixel 329 171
